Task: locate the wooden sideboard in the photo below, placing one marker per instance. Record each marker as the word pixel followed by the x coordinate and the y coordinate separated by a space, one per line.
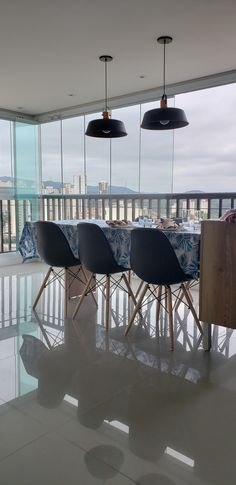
pixel 218 273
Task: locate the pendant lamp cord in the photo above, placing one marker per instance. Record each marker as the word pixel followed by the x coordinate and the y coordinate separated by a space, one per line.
pixel 106 108
pixel 164 71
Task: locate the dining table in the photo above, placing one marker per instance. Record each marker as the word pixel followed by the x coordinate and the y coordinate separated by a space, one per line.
pixel 185 242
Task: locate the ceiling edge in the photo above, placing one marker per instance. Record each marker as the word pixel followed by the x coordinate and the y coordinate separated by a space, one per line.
pixel 205 82
pixel 219 79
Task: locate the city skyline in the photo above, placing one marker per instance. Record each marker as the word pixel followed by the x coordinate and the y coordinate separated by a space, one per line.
pixel 54 186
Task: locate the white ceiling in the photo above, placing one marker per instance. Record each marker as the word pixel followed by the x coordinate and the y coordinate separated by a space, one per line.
pixel 50 48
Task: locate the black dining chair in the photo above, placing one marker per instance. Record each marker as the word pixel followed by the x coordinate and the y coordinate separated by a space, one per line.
pixel 54 250
pixel 97 257
pixel 153 259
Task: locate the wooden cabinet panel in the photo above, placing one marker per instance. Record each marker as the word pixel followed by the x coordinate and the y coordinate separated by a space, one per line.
pixel 218 273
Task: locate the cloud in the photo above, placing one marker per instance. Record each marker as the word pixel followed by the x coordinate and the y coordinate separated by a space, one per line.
pixel 205 153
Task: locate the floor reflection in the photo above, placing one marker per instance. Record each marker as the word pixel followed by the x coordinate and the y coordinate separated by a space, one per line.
pixel 166 400
pixel 136 412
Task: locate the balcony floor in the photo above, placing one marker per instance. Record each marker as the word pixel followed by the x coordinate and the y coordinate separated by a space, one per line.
pixel 78 405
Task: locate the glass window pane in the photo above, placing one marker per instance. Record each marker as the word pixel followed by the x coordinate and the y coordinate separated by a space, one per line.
pixel 205 150
pixel 73 155
pixel 26 174
pixel 125 152
pixel 156 156
pixel 26 159
pixel 6 172
pixel 97 161
pixel 5 149
pixel 51 158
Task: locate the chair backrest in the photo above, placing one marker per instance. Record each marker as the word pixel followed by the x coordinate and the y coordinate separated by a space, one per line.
pixel 153 259
pixel 53 246
pixel 94 250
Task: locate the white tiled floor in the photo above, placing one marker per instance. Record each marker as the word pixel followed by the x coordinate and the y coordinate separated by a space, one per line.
pixel 103 408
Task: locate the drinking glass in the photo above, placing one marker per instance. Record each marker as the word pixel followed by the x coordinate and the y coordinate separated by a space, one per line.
pixel 186 217
pixel 140 217
pixel 148 218
pixel 197 221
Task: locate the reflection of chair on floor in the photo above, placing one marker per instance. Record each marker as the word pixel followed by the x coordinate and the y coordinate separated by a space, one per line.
pixel 191 340
pixel 154 260
pixel 54 250
pixel 52 334
pixel 31 351
pixel 106 388
pixel 96 256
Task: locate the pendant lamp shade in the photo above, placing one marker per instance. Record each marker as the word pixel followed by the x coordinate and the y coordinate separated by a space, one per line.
pixel 164 118
pixel 106 127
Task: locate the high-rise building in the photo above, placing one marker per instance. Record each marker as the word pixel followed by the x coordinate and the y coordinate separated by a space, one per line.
pixel 103 187
pixel 68 188
pixel 80 187
pixel 80 184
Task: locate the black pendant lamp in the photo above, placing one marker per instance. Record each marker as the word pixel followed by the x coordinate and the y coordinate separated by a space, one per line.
pixel 106 127
pixel 164 118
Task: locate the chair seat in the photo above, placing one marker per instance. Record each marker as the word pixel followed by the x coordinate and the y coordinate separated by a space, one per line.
pixel 169 281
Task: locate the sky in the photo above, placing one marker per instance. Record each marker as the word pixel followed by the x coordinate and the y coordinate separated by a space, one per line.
pixel 204 151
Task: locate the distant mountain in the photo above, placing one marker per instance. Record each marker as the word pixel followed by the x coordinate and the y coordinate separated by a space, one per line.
pixel 51 183
pixel 4 178
pixel 194 192
pixel 115 189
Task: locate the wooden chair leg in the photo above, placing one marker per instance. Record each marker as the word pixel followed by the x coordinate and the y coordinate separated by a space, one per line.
pixel 129 276
pixel 66 294
pixel 86 279
pixel 178 299
pixel 139 289
pixel 166 298
pixel 158 306
pixel 188 286
pixel 107 314
pixel 181 295
pixel 86 289
pixel 170 313
pixel 137 308
pixel 186 294
pixel 42 287
pixel 130 291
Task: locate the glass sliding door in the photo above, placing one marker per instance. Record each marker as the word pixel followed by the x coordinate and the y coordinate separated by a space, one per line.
pixel 26 173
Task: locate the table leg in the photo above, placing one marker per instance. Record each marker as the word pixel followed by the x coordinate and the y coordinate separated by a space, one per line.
pixel 206 336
